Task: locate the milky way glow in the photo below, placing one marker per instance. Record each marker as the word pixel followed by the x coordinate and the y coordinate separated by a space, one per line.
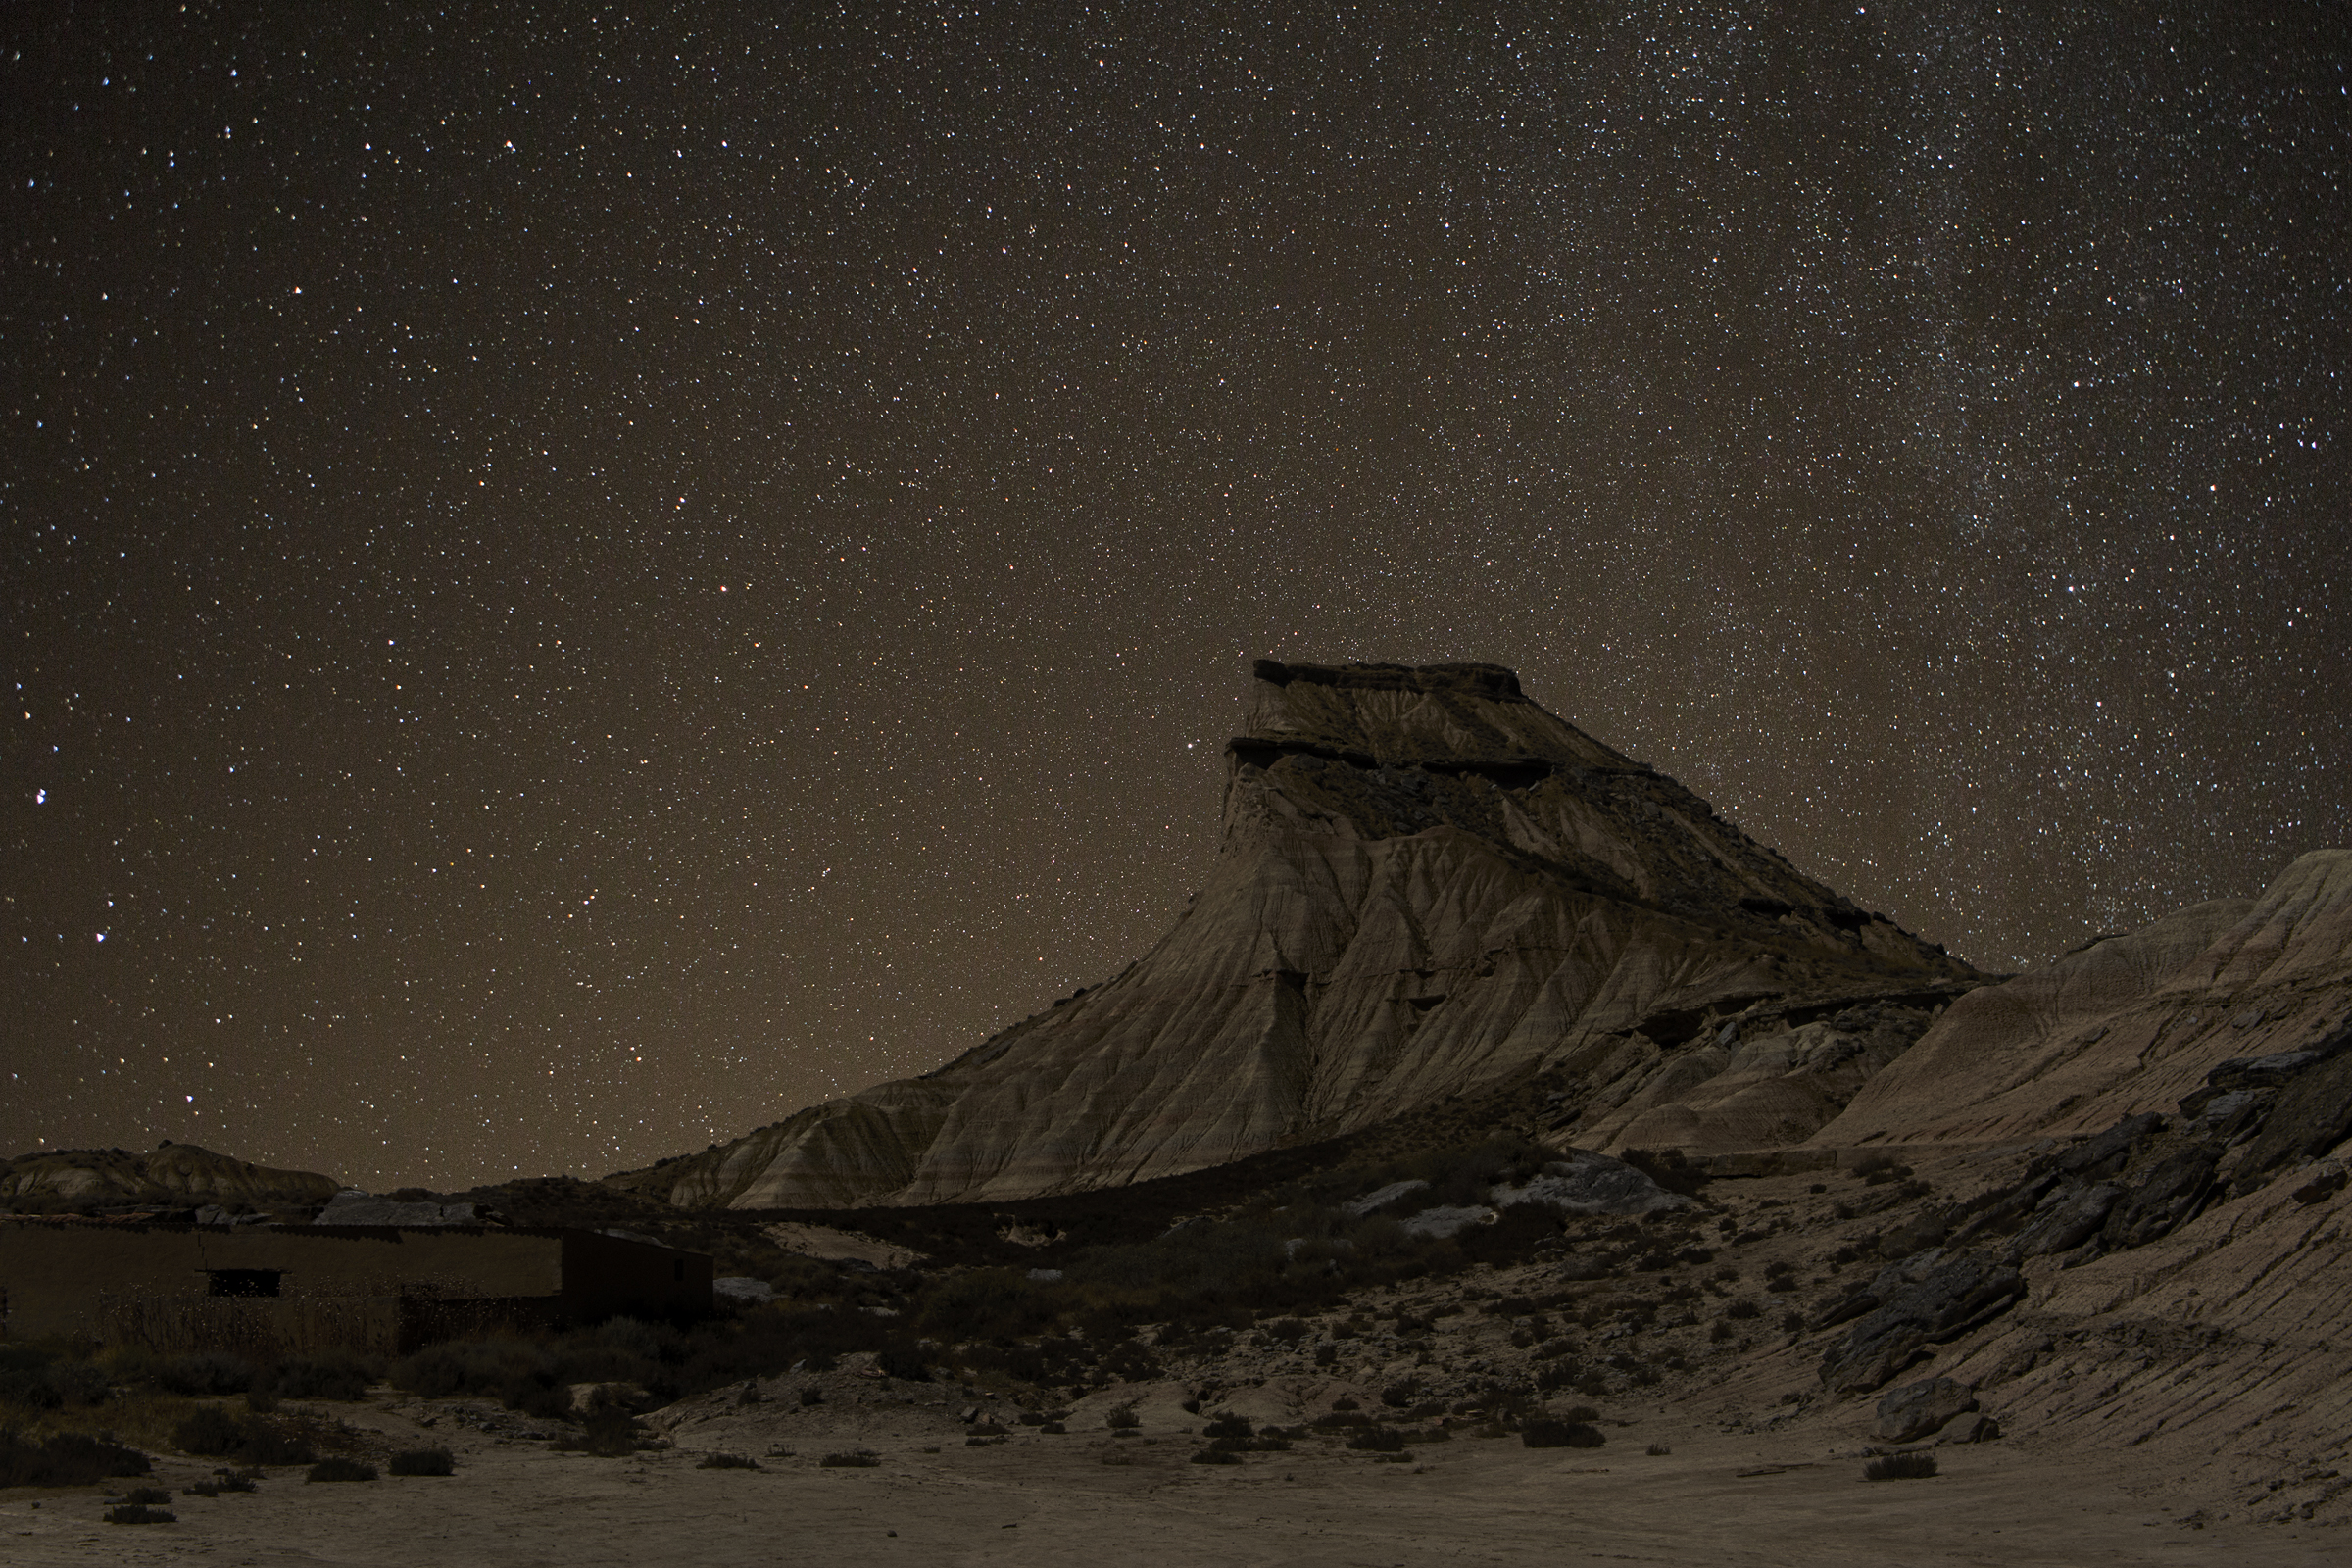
pixel 498 506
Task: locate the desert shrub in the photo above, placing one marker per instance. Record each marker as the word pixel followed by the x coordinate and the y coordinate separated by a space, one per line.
pixel 605 1433
pixel 1054 1427
pixel 852 1459
pixel 1285 1330
pixel 335 1374
pixel 423 1462
pixel 487 1368
pixel 135 1513
pixel 212 1431
pixel 1545 1433
pixel 1398 1396
pixel 78 1383
pixel 146 1494
pixel 1123 1416
pixel 1377 1439
pixel 726 1462
pixel 222 1481
pixel 1782 1285
pixel 1668 1169
pixel 267 1444
pixel 1214 1457
pixel 30 1388
pixel 208 1430
pixel 54 1384
pixel 1742 1308
pixel 337 1467
pixel 1227 1425
pixel 1656 1449
pixel 204 1373
pixel 811 1395
pixel 1916 1466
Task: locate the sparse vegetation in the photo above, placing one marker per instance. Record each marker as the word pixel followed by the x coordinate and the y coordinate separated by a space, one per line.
pixel 733 1461
pixel 137 1513
pixel 423 1462
pixel 340 1467
pixel 1913 1466
pixel 66 1460
pixel 212 1431
pixel 851 1459
pixel 1547 1432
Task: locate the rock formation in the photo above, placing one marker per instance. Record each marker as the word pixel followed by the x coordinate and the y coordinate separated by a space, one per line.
pixel 2132 1024
pixel 1427 885
pixel 175 1175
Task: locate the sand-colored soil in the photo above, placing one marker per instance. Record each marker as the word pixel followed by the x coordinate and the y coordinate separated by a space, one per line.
pixel 1039 1499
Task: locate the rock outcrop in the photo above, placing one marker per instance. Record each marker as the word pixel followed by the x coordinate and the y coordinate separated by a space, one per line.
pixel 175 1175
pixel 1427 886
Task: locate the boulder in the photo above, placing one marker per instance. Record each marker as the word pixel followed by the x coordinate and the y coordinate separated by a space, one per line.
pixel 2174 1189
pixel 1953 1297
pixel 1919 1410
pixel 2064 1221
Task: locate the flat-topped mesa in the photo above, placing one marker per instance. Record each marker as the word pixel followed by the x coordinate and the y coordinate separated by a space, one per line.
pixel 1462 746
pixel 1427 886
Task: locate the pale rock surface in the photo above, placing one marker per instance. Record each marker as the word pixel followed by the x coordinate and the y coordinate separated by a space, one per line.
pixel 1427 885
pixel 2130 1024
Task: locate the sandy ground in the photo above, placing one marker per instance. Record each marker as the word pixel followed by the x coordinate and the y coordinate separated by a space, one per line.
pixel 1039 1500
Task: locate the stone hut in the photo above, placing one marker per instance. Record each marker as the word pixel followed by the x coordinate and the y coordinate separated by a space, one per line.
pixel 274 1290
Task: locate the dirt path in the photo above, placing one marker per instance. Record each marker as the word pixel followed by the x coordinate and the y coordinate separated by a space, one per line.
pixel 1046 1500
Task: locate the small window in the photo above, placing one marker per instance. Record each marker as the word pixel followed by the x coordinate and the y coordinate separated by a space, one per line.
pixel 677 1271
pixel 242 1281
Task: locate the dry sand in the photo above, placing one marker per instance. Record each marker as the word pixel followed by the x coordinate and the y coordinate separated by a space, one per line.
pixel 1039 1500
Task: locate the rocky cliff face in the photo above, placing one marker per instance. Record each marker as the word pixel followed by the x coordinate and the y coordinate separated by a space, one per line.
pixel 175 1174
pixel 1427 885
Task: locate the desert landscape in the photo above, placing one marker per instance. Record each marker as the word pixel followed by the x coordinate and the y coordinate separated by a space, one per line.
pixel 1502 1159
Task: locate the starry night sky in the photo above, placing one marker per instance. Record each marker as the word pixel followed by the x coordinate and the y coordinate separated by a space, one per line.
pixel 576 581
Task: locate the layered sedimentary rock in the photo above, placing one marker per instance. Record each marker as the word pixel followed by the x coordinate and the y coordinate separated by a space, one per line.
pixel 175 1174
pixel 2130 1024
pixel 1427 885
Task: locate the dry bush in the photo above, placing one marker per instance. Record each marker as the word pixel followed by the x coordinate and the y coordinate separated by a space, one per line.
pixel 65 1459
pixel 338 1468
pixel 1916 1466
pixel 1551 1434
pixel 730 1462
pixel 424 1462
pixel 851 1459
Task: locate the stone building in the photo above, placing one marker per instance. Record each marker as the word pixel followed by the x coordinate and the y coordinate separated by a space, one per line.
pixel 270 1289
